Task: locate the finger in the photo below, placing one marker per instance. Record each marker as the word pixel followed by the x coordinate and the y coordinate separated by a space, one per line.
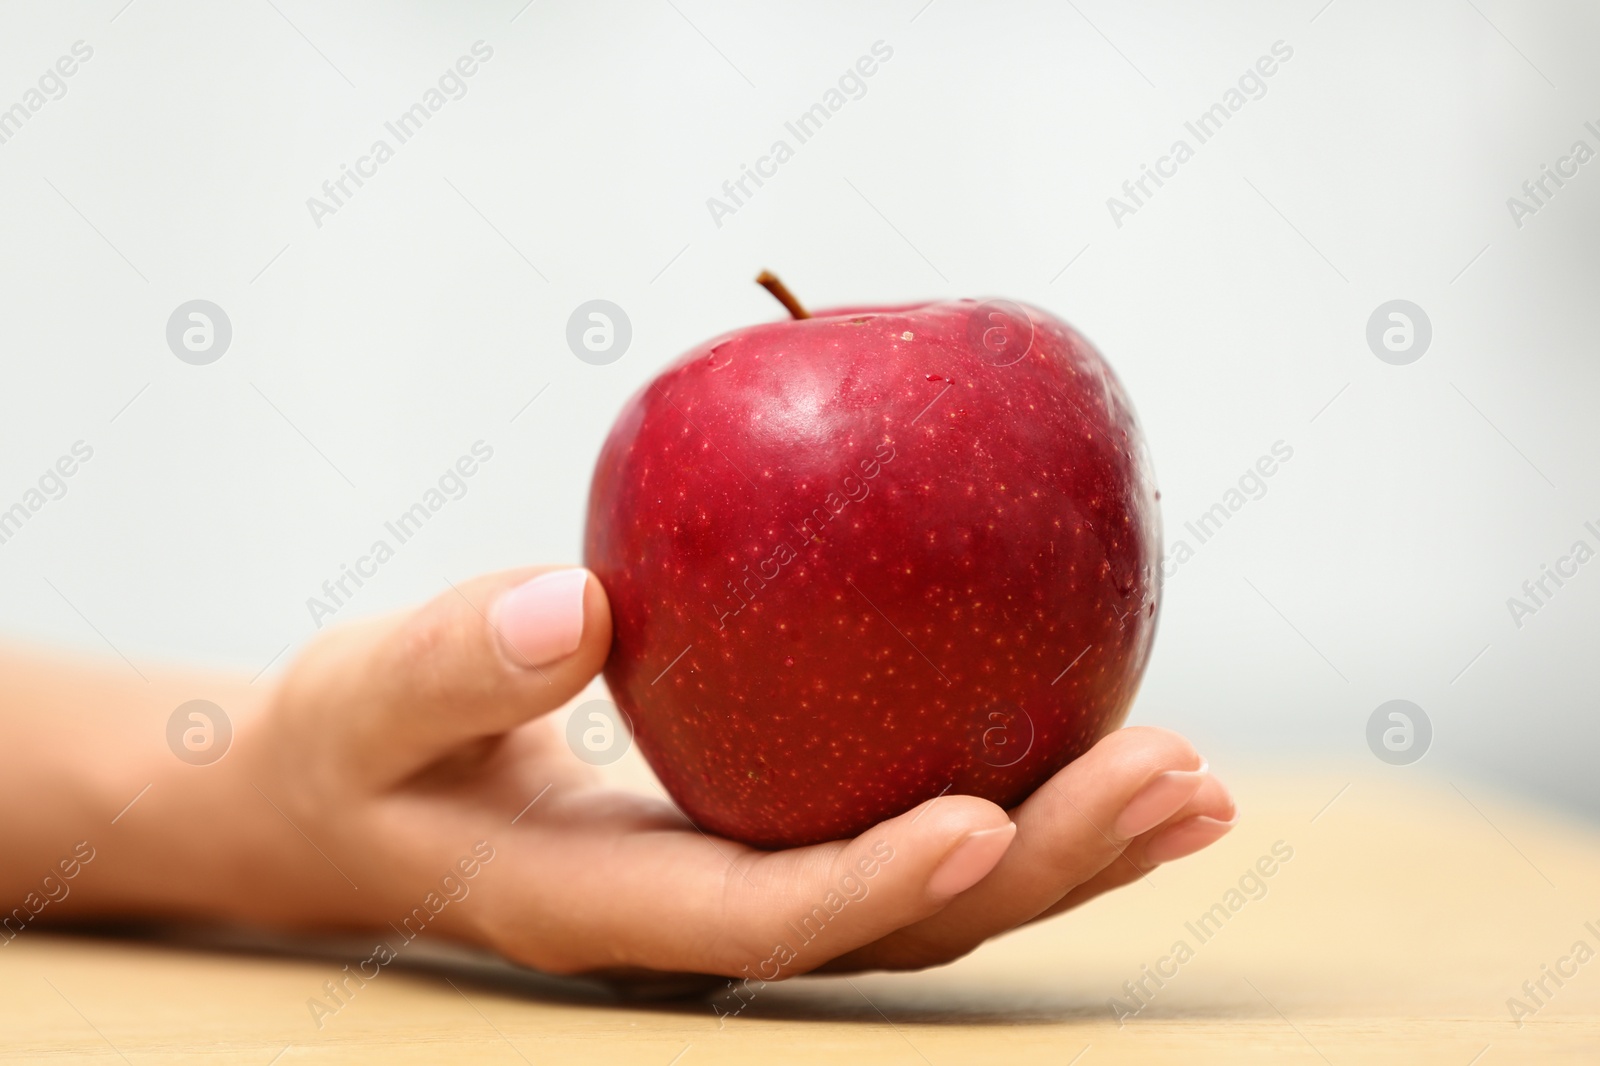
pixel 480 659
pixel 1068 831
pixel 644 896
pixel 1204 820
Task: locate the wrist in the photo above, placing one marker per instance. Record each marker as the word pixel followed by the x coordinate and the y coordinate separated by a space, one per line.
pixel 172 824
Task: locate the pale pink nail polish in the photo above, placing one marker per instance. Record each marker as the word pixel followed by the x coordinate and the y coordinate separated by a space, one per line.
pixel 541 620
pixel 971 860
pixel 1187 837
pixel 1157 801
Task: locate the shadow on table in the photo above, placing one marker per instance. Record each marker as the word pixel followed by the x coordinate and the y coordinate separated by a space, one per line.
pixel 819 999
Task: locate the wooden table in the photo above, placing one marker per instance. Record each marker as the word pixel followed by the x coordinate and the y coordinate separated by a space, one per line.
pixel 1411 910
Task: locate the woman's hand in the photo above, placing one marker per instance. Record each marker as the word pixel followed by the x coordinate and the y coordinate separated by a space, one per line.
pixel 397 756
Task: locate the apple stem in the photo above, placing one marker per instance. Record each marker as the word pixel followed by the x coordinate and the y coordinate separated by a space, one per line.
pixel 769 281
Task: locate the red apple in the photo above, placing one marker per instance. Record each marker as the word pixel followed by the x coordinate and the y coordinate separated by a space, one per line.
pixel 865 558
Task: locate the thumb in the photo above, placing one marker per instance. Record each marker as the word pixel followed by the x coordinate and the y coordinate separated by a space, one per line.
pixel 479 660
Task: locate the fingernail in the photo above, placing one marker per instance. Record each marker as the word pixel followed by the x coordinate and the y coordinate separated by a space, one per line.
pixel 1187 837
pixel 1157 801
pixel 541 620
pixel 971 860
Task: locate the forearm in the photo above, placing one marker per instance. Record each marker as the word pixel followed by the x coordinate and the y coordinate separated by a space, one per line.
pixel 98 817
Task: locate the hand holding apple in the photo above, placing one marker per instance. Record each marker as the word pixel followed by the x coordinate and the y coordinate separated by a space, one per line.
pixel 392 748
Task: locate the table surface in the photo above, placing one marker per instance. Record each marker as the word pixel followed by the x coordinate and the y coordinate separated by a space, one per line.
pixel 1411 911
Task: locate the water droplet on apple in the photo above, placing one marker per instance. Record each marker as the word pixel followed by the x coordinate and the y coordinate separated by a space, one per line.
pixel 788 660
pixel 936 377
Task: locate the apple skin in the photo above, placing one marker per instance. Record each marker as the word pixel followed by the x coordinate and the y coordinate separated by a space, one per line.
pixel 862 559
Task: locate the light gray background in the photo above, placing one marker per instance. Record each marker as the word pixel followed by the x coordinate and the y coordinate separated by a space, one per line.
pixel 370 353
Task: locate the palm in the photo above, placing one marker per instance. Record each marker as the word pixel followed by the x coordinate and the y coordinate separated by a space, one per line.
pixel 630 869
